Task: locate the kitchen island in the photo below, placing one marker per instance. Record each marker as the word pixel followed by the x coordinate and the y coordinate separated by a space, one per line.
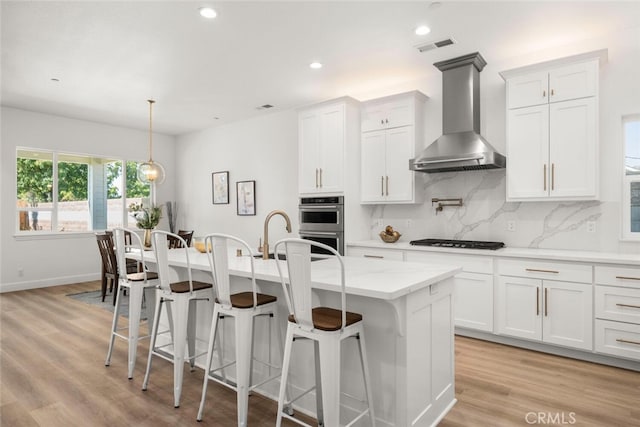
pixel 408 319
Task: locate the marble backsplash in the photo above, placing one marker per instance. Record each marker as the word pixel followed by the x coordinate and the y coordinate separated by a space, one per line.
pixel 485 215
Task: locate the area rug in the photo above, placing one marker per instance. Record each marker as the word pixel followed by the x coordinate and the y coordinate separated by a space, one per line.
pixel 95 298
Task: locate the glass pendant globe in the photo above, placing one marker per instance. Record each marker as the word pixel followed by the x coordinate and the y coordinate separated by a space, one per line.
pixel 150 172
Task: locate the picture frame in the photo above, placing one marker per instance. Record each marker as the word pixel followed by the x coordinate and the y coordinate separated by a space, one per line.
pixel 246 197
pixel 220 188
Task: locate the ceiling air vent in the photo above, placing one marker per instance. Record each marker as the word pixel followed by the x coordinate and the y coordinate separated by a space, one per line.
pixel 435 45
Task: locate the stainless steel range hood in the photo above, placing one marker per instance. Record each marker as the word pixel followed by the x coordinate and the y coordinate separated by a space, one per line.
pixel 461 147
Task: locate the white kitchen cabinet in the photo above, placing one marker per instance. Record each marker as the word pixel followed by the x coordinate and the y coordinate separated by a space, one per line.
pixel 391 132
pixel 376 253
pixel 552 130
pixel 617 305
pixel 473 288
pixel 552 311
pixel 322 135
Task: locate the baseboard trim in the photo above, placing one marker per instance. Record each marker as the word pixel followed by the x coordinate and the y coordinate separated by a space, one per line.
pixel 45 283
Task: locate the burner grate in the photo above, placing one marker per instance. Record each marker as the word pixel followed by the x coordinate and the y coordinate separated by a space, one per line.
pixel 463 244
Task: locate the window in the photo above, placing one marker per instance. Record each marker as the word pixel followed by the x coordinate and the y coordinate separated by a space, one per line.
pixel 631 180
pixel 64 192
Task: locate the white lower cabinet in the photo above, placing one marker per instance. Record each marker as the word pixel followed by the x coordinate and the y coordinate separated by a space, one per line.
pixel 550 311
pixel 617 305
pixel 473 288
pixel 375 253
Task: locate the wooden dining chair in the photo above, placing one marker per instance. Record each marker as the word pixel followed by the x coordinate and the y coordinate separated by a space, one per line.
pixel 174 242
pixel 109 262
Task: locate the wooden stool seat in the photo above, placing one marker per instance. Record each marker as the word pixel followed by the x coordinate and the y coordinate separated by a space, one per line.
pixel 182 287
pixel 329 319
pixel 245 299
pixel 141 277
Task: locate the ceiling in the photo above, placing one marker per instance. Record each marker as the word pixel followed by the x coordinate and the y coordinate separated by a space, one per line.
pixel 110 57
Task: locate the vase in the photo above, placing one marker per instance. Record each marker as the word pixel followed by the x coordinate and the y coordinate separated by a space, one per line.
pixel 147 237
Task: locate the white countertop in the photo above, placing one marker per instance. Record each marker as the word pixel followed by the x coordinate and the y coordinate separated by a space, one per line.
pixel 380 279
pixel 551 254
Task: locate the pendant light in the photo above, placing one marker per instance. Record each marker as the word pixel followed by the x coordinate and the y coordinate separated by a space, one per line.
pixel 151 172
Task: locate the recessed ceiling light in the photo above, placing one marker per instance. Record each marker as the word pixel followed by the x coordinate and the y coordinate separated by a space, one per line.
pixel 207 12
pixel 315 65
pixel 422 30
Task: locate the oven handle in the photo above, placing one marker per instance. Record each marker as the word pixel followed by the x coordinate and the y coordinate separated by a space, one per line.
pixel 311 207
pixel 319 233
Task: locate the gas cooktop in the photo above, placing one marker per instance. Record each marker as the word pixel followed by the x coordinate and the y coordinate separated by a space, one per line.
pixel 464 244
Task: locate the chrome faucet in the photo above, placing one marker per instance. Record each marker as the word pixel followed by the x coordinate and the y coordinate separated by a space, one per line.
pixel 265 240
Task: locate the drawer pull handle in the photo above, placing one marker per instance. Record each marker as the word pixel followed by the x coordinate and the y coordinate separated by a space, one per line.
pixel 373 256
pixel 537 301
pixel 535 270
pixel 627 278
pixel 628 305
pixel 546 302
pixel 627 341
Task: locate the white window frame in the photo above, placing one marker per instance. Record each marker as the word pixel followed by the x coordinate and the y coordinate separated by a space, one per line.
pixel 31 234
pixel 627 234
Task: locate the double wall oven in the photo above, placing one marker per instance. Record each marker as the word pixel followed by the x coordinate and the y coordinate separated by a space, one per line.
pixel 322 220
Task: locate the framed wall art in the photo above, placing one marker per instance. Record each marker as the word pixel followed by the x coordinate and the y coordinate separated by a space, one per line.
pixel 246 197
pixel 220 187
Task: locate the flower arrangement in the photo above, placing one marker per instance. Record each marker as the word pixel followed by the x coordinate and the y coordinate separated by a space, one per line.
pixel 147 217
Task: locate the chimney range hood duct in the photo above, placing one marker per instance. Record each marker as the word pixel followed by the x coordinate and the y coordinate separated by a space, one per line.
pixel 461 147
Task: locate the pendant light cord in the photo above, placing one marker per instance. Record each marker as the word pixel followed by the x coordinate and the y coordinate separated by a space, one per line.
pixel 150 101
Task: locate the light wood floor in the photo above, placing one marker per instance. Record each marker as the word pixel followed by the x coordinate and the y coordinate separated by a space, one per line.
pixel 52 373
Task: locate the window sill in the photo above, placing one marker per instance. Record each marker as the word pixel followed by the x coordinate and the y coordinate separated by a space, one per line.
pixel 54 235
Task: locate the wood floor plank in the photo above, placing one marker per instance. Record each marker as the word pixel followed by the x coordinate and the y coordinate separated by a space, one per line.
pixel 52 373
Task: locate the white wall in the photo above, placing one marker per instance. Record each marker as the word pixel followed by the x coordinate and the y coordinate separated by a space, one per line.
pixel 263 149
pixel 47 260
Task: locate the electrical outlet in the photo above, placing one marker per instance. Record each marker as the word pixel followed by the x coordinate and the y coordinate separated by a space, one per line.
pixel 591 226
pixel 408 224
pixel 511 226
pixel 20 272
pixel 379 222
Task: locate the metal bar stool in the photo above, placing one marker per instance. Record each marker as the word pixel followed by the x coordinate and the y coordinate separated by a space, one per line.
pixel 244 307
pixel 138 285
pixel 327 327
pixel 183 295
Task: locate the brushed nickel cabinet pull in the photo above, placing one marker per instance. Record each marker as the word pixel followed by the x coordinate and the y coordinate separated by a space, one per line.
pixel 316 177
pixel 628 305
pixel 627 341
pixel 553 176
pixel 537 301
pixel 373 256
pixel 544 175
pixel 546 302
pixel 627 278
pixel 387 185
pixel 535 270
pixel 386 120
pixel 552 92
pixel 382 185
pixel 320 177
pixel 381 121
pixel 544 93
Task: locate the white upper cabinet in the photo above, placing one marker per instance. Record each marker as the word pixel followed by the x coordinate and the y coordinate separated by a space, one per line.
pixel 322 134
pixel 391 134
pixel 552 129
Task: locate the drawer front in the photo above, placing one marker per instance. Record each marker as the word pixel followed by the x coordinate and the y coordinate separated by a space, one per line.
pixel 546 270
pixel 469 263
pixel 618 339
pixel 618 276
pixel 620 304
pixel 376 253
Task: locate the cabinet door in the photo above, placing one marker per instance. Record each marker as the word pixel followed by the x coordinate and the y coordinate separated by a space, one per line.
pixel 399 179
pixel 331 149
pixel 528 152
pixel 573 149
pixel 373 117
pixel 373 166
pixel 400 113
pixel 568 314
pixel 527 90
pixel 573 81
pixel 519 307
pixel 309 146
pixel 473 303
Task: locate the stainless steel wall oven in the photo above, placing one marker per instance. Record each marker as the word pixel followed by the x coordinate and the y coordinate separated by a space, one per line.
pixel 322 220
